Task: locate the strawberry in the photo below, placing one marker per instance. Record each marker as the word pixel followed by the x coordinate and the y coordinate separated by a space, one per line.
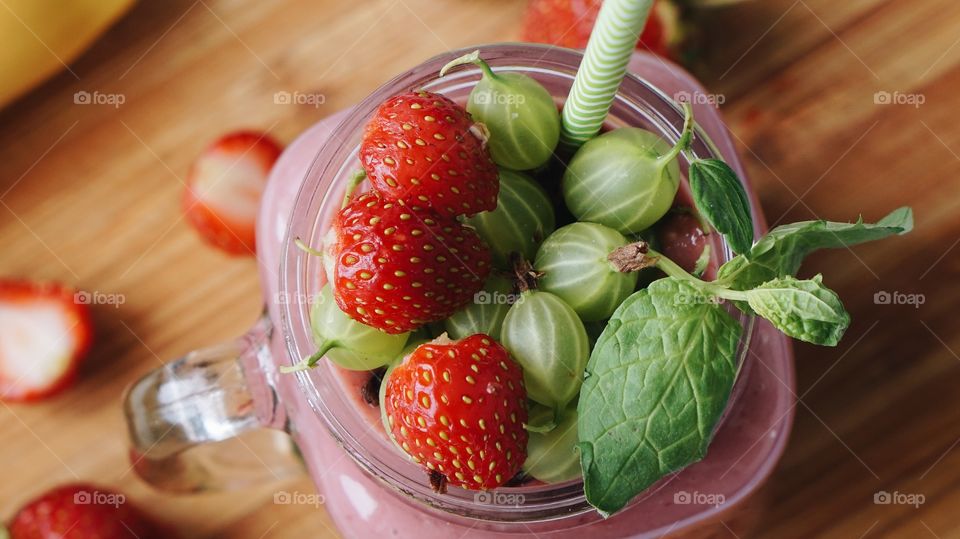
pixel 568 23
pixel 420 148
pixel 223 189
pixel 45 334
pixel 82 511
pixel 396 268
pixel 459 408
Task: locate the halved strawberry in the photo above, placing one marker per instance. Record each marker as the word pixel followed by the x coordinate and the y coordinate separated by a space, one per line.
pixel 395 268
pixel 458 408
pixel 568 23
pixel 420 148
pixel 45 334
pixel 81 511
pixel 224 188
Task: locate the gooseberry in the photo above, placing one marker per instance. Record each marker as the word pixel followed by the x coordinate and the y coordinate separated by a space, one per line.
pixel 523 218
pixel 522 118
pixel 625 179
pixel 486 313
pixel 552 455
pixel 348 343
pixel 575 266
pixel 546 337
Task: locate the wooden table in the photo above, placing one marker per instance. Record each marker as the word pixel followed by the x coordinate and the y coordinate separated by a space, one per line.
pixel 91 198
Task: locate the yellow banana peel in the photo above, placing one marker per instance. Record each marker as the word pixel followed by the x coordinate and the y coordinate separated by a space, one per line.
pixel 39 37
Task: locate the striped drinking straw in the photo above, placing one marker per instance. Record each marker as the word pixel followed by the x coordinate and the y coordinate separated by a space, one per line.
pixel 604 65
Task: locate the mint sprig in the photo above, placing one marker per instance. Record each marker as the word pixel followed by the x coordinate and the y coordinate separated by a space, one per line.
pixel 656 384
pixel 721 199
pixel 660 374
pixel 781 252
pixel 805 310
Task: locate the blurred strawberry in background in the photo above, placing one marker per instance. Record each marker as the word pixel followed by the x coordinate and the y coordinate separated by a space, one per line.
pixel 82 511
pixel 224 188
pixel 567 23
pixel 45 334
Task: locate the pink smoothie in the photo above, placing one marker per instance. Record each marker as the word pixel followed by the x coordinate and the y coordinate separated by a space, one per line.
pixel 744 451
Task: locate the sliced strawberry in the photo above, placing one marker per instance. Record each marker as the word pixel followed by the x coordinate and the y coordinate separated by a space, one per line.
pixel 45 334
pixel 81 511
pixel 420 148
pixel 568 23
pixel 459 408
pixel 224 188
pixel 395 268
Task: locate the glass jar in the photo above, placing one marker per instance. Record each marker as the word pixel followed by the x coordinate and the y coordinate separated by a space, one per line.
pixel 369 487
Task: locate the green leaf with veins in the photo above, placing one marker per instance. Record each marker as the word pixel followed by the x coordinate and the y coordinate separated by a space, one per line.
pixel 720 197
pixel 782 250
pixel 656 384
pixel 805 310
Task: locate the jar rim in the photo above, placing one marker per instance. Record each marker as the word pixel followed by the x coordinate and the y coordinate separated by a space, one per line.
pixel 543 503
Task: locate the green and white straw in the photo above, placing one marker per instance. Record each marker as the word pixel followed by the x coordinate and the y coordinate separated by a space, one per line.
pixel 604 65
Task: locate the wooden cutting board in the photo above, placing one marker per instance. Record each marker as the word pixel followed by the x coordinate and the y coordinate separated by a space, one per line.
pixel 90 196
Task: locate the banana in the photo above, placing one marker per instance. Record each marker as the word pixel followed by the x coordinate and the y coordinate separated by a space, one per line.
pixel 41 36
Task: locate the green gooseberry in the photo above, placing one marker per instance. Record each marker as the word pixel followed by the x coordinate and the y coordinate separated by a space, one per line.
pixel 486 313
pixel 546 337
pixel 523 217
pixel 552 455
pixel 625 179
pixel 348 343
pixel 522 118
pixel 575 266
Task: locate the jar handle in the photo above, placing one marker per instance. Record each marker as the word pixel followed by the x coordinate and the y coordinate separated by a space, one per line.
pixel 212 419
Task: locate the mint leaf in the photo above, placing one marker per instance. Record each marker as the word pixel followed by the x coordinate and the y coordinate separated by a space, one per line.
pixel 805 310
pixel 782 250
pixel 657 381
pixel 720 197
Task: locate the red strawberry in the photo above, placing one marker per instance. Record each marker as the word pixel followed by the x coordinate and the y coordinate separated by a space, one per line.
pixel 224 187
pixel 568 23
pixel 395 268
pixel 419 148
pixel 45 334
pixel 458 408
pixel 82 512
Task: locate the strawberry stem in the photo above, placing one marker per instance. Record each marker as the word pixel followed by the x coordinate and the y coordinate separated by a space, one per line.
pixel 471 58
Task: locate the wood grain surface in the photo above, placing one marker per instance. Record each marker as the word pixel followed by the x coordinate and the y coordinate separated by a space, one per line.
pixel 90 196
